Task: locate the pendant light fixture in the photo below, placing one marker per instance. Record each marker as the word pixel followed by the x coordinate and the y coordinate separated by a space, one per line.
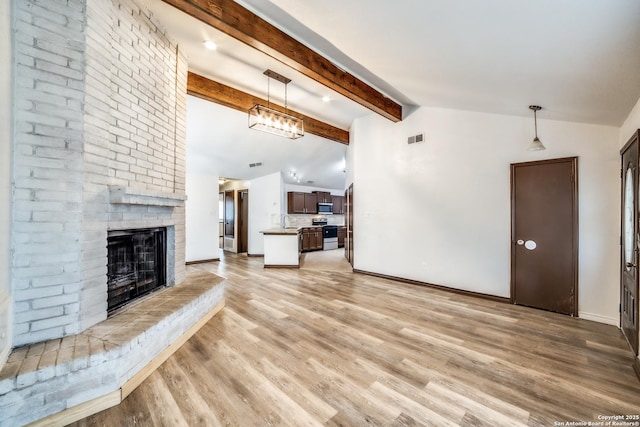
pixel 267 119
pixel 536 144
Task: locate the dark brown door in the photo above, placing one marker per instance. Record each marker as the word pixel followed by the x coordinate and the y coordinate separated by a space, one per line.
pixel 229 213
pixel 243 221
pixel 348 209
pixel 544 234
pixel 630 237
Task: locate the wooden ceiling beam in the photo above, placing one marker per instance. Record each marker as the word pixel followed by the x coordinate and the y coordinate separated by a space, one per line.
pixel 219 93
pixel 242 24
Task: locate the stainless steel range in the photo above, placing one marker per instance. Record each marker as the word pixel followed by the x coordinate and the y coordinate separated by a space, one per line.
pixel 329 234
pixel 330 237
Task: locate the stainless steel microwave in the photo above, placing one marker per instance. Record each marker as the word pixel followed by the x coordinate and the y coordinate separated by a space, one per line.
pixel 325 208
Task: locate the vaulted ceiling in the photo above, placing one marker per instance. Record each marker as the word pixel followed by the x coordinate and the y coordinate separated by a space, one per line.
pixel 577 58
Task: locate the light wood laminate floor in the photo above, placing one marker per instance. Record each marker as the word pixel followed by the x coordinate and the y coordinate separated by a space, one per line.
pixel 300 347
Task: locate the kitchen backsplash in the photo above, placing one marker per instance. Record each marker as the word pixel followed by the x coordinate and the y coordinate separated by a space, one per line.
pixel 293 220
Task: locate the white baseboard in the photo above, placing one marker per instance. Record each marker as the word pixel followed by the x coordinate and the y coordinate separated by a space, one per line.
pixel 615 321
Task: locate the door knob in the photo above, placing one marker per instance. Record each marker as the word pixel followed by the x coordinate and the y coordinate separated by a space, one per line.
pixel 529 244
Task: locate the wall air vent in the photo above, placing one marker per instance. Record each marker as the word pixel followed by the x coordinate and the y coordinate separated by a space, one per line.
pixel 255 165
pixel 415 139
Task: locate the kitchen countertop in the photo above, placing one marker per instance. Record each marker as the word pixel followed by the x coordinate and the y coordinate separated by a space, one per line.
pixel 290 230
pixel 281 231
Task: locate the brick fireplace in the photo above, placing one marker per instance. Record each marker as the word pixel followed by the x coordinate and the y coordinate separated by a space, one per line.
pixel 98 148
pixel 136 265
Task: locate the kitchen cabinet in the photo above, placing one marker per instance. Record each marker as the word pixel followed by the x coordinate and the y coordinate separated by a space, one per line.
pixel 338 204
pixel 317 240
pixel 342 234
pixel 306 240
pixel 295 202
pixel 311 239
pixel 323 196
pixel 310 203
pixel 301 203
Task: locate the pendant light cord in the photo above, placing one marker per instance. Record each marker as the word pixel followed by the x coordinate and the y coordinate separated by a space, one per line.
pixel 268 92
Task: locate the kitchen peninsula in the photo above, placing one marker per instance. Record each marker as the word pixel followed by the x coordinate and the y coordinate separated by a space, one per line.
pixel 282 247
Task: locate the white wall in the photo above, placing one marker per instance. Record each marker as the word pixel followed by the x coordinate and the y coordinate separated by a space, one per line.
pixel 202 218
pixel 6 71
pixel 631 124
pixel 439 212
pixel 265 209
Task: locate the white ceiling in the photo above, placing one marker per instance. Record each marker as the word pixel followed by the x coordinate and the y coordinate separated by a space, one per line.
pixel 219 141
pixel 578 59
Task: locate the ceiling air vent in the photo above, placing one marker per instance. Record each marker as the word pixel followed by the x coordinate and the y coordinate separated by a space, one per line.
pixel 255 165
pixel 415 139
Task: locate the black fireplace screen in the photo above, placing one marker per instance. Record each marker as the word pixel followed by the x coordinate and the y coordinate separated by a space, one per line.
pixel 136 264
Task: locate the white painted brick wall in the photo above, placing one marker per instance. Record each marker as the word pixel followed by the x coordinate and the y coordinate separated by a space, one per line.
pixel 100 101
pixel 127 60
pixel 47 171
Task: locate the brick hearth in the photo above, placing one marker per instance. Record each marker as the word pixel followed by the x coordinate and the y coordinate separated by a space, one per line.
pixel 52 376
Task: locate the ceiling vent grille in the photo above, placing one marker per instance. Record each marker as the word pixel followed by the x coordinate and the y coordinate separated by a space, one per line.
pixel 255 165
pixel 416 139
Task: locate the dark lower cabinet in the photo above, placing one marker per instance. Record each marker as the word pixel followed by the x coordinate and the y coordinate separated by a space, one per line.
pixel 311 239
pixel 342 234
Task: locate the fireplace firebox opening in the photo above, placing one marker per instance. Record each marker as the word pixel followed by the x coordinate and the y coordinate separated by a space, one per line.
pixel 136 264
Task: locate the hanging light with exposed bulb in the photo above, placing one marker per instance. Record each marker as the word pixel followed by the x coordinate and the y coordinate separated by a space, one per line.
pixel 267 119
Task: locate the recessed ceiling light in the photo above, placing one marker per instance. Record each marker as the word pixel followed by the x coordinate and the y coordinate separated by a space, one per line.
pixel 210 45
pixel 326 98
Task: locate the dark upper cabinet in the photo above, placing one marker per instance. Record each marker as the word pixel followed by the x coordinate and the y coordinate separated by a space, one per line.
pixel 310 203
pixel 323 196
pixel 301 203
pixel 338 204
pixel 295 202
